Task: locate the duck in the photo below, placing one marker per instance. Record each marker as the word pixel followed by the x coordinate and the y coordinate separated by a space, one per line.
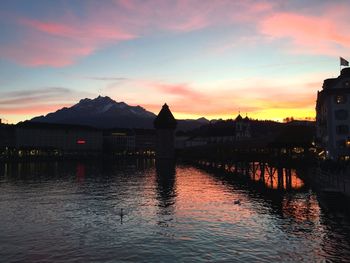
pixel 237 202
pixel 121 212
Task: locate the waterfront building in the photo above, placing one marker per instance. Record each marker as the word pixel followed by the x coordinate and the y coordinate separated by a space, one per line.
pixel 181 141
pixel 119 141
pixel 7 139
pixel 33 138
pixel 165 125
pixel 145 141
pixel 242 128
pixel 196 141
pixel 332 117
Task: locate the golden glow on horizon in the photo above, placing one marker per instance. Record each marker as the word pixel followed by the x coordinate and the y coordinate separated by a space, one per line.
pixel 268 114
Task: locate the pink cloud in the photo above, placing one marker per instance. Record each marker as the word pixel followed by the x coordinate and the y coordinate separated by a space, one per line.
pixel 80 32
pixel 325 34
pixel 184 91
pixel 65 38
pixel 61 43
pixel 46 52
pixel 184 15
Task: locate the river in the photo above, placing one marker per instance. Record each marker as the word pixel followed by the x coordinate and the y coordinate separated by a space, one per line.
pixel 133 211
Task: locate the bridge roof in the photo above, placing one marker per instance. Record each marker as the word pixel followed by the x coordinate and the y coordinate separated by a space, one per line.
pixel 165 119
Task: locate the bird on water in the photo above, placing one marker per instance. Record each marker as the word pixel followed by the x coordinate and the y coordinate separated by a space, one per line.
pixel 237 202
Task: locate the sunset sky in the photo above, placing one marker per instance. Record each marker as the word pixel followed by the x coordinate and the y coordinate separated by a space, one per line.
pixel 208 58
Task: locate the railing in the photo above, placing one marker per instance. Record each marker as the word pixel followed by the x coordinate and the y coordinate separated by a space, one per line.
pixel 337 180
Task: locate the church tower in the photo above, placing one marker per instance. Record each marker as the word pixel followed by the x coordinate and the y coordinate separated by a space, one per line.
pixel 165 125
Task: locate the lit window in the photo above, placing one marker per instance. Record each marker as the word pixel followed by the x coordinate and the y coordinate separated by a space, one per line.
pixel 340 99
pixel 347 143
pixel 341 114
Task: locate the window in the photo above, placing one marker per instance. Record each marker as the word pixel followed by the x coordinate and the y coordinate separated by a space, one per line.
pixel 342 129
pixel 347 143
pixel 340 99
pixel 341 114
pixel 341 143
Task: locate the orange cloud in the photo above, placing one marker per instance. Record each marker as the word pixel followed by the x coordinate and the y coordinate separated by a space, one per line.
pixel 21 104
pixel 258 98
pixel 37 109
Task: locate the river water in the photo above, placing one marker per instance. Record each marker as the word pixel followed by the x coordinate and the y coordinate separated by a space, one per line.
pixel 133 211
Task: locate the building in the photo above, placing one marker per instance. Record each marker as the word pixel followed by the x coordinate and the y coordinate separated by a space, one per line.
pixel 145 141
pixel 165 125
pixel 33 138
pixel 119 141
pixel 7 139
pixel 242 128
pixel 332 117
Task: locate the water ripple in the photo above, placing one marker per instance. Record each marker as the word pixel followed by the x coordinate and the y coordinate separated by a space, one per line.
pixel 135 212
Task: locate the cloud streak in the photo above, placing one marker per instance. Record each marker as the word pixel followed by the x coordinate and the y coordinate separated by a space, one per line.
pixel 324 33
pixel 108 78
pixel 260 98
pixel 63 40
pixel 32 102
pixel 15 98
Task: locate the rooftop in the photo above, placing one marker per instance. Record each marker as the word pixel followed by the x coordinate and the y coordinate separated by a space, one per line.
pixel 165 119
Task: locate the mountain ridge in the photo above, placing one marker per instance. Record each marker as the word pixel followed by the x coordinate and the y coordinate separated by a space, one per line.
pixel 105 113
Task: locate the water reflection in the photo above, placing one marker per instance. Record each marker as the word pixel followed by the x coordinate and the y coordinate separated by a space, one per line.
pixel 282 178
pixel 80 172
pixel 166 190
pixel 69 211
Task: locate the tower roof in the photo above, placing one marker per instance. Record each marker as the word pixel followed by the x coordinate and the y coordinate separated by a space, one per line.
pixel 165 119
pixel 239 117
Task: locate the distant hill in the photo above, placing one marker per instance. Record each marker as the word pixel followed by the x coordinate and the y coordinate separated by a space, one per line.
pixel 104 112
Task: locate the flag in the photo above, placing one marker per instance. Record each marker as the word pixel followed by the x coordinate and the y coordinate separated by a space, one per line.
pixel 344 62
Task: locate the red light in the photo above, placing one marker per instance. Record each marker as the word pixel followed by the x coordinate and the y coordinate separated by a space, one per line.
pixel 81 141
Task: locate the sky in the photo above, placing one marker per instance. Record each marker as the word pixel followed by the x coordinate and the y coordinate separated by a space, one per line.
pixel 204 58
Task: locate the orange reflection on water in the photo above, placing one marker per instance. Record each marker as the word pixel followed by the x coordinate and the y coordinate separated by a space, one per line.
pixel 283 178
pixel 197 191
pixel 302 209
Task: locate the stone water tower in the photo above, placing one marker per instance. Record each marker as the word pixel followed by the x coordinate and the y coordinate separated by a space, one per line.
pixel 165 125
